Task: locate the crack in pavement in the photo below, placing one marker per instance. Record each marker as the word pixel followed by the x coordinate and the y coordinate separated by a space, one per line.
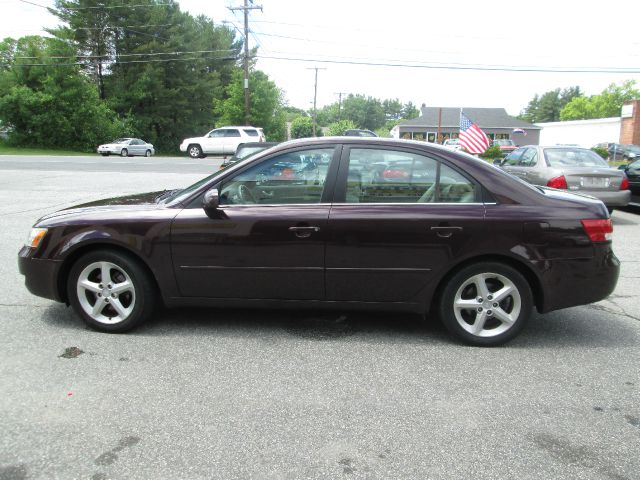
pixel 602 308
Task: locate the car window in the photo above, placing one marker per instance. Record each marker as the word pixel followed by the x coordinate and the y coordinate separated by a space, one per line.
pixel 289 178
pixel 231 132
pixel 570 157
pixel 217 133
pixel 386 176
pixel 529 158
pixel 251 132
pixel 513 158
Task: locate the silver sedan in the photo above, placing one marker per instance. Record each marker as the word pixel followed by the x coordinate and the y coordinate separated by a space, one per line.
pixel 576 169
pixel 126 147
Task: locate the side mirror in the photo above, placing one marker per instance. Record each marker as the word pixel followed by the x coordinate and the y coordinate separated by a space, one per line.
pixel 211 202
pixel 623 167
pixel 497 162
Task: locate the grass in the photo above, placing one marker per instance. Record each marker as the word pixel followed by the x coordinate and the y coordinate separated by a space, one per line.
pixel 6 150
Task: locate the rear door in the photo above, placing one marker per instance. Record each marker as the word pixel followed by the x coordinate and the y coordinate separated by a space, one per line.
pixel 232 138
pixel 390 236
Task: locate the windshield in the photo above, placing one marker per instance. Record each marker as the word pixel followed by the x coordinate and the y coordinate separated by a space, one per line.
pixel 180 195
pixel 120 140
pixel 573 157
pixel 245 152
pixel 633 148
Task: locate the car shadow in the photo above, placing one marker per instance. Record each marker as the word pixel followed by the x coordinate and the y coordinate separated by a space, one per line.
pixel 579 327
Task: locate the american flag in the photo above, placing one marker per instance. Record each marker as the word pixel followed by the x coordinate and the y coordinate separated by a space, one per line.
pixel 471 137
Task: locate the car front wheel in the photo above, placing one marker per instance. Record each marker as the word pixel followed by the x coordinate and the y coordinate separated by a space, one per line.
pixel 486 304
pixel 110 291
pixel 195 151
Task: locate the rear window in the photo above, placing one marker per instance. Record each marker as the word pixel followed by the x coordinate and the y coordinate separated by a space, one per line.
pixel 251 132
pixel 569 157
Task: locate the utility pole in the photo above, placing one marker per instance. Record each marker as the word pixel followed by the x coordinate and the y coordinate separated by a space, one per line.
pixel 315 95
pixel 340 103
pixel 246 9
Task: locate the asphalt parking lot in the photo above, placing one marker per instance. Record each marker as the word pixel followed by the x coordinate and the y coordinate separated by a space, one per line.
pixel 301 394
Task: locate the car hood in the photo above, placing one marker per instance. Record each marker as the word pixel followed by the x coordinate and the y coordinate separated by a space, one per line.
pixel 192 139
pixel 138 201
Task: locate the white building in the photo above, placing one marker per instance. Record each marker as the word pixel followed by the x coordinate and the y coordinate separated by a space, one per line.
pixel 585 133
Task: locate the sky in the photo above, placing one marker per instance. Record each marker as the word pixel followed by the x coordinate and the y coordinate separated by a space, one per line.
pixel 480 43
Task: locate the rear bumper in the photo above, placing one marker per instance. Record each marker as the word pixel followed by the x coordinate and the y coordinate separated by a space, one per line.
pixel 580 281
pixel 40 276
pixel 619 198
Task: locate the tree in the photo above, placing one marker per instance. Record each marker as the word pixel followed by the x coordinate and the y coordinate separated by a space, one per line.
pixel 301 127
pixel 266 102
pixel 606 104
pixel 48 102
pixel 338 128
pixel 547 107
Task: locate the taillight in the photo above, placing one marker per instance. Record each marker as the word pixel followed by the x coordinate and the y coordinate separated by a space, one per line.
pixel 598 230
pixel 624 185
pixel 558 182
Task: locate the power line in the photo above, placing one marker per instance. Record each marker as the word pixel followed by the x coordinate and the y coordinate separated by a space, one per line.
pixel 160 60
pixel 58 57
pixel 459 67
pixel 104 7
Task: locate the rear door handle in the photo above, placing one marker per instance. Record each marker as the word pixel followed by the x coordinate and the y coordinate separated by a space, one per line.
pixel 304 232
pixel 445 232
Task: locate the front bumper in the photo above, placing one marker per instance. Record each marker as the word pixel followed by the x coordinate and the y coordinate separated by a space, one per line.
pixel 40 276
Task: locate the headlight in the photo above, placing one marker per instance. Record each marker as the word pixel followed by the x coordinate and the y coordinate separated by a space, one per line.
pixel 35 237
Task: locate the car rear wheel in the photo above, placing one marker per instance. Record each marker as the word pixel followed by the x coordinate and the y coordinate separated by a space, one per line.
pixel 124 152
pixel 110 291
pixel 486 304
pixel 147 153
pixel 195 151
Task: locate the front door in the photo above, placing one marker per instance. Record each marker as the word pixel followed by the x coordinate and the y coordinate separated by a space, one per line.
pixel 269 239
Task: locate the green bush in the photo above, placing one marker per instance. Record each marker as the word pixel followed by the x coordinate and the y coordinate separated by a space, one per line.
pixel 492 153
pixel 302 127
pixel 338 128
pixel 603 152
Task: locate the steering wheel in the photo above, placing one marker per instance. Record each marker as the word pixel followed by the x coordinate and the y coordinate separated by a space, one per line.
pixel 245 194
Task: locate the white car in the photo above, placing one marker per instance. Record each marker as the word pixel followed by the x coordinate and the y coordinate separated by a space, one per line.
pixel 221 141
pixel 126 147
pixel 452 144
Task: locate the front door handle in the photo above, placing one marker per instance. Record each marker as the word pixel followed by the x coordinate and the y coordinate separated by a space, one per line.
pixel 445 231
pixel 304 232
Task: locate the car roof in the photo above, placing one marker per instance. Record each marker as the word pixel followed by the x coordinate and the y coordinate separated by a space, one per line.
pixel 258 144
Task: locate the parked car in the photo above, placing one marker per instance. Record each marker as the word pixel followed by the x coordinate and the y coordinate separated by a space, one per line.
pixel 632 172
pixel 357 132
pixel 625 152
pixel 506 146
pixel 221 141
pixel 470 243
pixel 453 144
pixel 246 150
pixel 126 147
pixel 575 169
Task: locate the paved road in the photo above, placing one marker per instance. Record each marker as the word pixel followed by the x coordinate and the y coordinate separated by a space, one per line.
pixel 294 395
pixel 97 163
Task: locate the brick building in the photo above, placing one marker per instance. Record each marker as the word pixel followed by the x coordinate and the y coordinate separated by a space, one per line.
pixel 630 123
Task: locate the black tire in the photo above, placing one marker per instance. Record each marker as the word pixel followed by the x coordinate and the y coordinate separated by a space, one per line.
pixel 124 152
pixel 610 210
pixel 195 151
pixel 147 153
pixel 496 330
pixel 129 285
pixel 104 154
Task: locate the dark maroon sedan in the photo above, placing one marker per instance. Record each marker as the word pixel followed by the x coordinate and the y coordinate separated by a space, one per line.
pixel 312 223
